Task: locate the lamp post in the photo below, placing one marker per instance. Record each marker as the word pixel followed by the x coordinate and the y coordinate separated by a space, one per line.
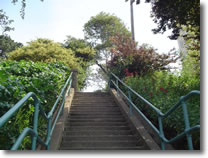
pixel 132 17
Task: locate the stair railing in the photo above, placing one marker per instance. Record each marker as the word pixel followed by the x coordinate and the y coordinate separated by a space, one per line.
pixel 182 102
pixel 38 109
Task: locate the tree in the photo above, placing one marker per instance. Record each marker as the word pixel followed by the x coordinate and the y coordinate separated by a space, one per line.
pixel 7 45
pixel 47 51
pixel 5 22
pixel 83 52
pixel 183 17
pixel 81 48
pixel 97 32
pixel 191 56
pixel 169 14
pixel 129 59
pixel 44 50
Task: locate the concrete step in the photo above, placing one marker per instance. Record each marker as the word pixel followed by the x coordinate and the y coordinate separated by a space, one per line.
pixel 102 138
pixel 93 99
pixel 73 108
pixel 102 103
pixel 108 114
pixel 95 113
pixel 90 94
pixel 96 123
pixel 92 132
pixel 104 148
pixel 73 128
pixel 94 106
pixel 101 144
pixel 94 116
pixel 97 120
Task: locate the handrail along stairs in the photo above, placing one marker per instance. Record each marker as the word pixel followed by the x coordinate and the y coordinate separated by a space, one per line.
pixel 38 109
pixel 188 130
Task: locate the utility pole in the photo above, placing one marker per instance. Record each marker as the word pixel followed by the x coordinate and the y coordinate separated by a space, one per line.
pixel 132 17
pixel 132 20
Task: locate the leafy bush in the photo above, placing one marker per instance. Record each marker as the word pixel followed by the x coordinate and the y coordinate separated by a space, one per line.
pixel 7 45
pixel 16 80
pixel 163 90
pixel 139 60
pixel 81 48
pixel 44 50
pixel 47 51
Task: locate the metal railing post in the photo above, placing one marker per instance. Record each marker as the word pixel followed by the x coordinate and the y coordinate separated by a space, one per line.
pixel 35 123
pixel 109 82
pixel 63 102
pixel 161 132
pixel 49 132
pixel 187 125
pixel 130 104
pixel 74 79
pixel 117 86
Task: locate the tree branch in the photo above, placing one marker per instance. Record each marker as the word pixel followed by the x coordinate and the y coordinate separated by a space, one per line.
pixel 102 68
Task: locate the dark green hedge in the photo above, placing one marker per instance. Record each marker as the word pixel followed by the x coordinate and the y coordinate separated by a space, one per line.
pixel 16 80
pixel 164 89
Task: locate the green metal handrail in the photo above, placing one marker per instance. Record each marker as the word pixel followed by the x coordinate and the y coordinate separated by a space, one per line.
pixel 188 130
pixel 38 108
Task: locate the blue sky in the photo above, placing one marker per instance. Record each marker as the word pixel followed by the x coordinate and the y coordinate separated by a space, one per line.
pixel 55 19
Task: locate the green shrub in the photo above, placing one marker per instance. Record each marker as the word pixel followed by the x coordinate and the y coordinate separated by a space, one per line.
pixel 16 80
pixel 137 60
pixel 44 50
pixel 47 51
pixel 163 90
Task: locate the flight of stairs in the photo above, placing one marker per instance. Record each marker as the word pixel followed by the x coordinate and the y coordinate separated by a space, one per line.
pixel 95 122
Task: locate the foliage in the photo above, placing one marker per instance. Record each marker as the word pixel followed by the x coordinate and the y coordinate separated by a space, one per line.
pixel 191 56
pixel 99 29
pixel 138 60
pixel 7 45
pixel 173 15
pixel 5 22
pixel 82 50
pixel 47 51
pixel 183 17
pixel 44 50
pixel 163 90
pixel 16 80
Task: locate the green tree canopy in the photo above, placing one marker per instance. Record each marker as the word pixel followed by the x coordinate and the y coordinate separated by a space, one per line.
pixel 47 51
pixel 97 32
pixel 44 50
pixel 7 45
pixel 81 48
pixel 183 18
pixel 5 22
pixel 173 14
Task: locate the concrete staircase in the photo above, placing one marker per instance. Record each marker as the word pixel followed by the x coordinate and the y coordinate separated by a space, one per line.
pixel 95 122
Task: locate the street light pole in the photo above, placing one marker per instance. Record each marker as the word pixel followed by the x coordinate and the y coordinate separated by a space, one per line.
pixel 132 17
